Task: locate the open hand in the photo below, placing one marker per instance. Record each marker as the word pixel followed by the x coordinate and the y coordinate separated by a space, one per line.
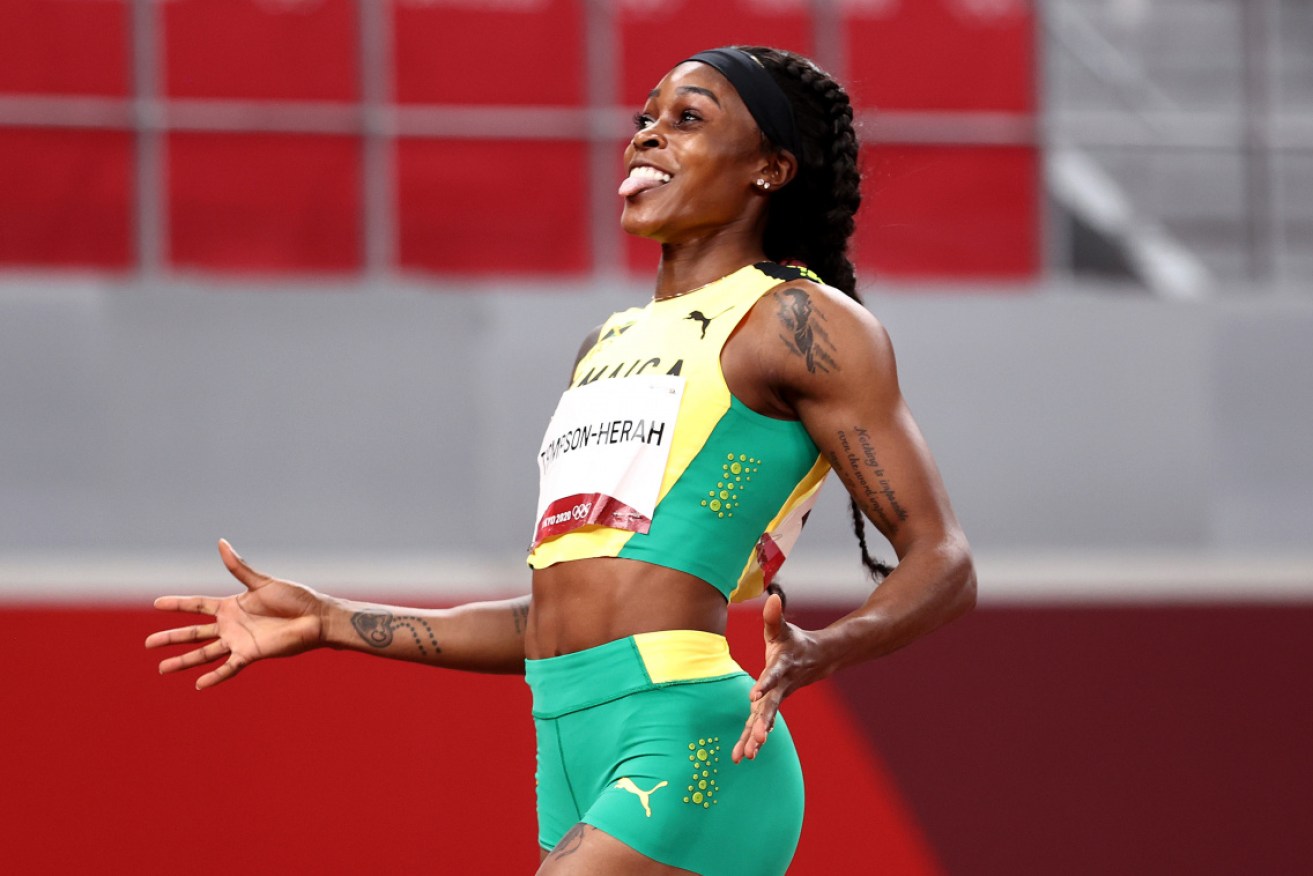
pixel 271 618
pixel 793 660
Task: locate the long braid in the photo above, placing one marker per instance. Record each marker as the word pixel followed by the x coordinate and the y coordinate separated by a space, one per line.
pixel 811 219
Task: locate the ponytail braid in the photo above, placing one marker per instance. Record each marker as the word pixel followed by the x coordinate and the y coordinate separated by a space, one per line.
pixel 811 218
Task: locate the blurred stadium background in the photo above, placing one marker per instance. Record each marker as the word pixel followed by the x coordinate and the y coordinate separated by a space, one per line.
pixel 308 274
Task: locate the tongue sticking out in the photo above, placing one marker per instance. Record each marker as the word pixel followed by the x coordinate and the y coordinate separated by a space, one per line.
pixel 639 181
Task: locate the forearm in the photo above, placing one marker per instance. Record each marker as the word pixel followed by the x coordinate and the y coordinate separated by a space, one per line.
pixel 928 589
pixel 479 636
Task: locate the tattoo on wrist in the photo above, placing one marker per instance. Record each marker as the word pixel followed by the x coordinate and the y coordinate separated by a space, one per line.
pixel 806 336
pixel 860 468
pixel 376 627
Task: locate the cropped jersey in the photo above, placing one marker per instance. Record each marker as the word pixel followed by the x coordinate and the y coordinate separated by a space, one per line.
pixel 650 457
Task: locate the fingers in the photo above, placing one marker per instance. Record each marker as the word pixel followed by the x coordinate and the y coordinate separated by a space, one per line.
pixel 234 665
pixel 767 681
pixel 764 697
pixel 772 617
pixel 197 633
pixel 207 654
pixel 189 604
pixel 737 754
pixel 756 729
pixel 748 744
pixel 238 567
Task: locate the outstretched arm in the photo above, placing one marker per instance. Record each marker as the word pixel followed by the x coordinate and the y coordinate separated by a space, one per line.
pixel 277 618
pixel 833 366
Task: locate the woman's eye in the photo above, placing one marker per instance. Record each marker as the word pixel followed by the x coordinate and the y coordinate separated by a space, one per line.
pixel 643 120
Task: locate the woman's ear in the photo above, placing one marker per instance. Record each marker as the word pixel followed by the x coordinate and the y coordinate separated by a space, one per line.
pixel 777 169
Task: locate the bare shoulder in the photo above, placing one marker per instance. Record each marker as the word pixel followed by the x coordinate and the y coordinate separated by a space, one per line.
pixel 805 341
pixel 823 331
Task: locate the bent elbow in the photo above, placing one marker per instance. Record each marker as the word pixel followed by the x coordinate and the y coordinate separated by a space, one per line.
pixel 964 581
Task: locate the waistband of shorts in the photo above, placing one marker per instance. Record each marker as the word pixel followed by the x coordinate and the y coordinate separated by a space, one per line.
pixel 644 661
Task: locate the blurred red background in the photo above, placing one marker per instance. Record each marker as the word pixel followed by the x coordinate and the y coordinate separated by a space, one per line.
pixel 1032 740
pixel 265 201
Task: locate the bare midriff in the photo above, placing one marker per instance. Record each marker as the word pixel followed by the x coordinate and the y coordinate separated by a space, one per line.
pixel 585 603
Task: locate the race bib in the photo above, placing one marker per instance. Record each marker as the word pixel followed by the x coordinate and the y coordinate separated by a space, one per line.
pixel 604 454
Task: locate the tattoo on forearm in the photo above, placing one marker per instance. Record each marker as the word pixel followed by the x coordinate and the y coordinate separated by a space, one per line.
pixel 376 628
pixel 413 624
pixel 520 613
pixel 860 468
pixel 806 331
pixel 570 843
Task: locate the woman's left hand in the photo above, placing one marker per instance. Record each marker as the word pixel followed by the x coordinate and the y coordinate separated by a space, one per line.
pixel 793 659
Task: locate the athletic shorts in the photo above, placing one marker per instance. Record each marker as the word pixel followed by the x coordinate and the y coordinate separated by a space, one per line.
pixel 634 738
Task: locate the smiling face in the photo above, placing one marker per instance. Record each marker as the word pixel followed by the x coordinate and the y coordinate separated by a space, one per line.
pixel 693 162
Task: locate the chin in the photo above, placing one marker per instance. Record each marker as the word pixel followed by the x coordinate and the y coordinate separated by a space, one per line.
pixel 631 222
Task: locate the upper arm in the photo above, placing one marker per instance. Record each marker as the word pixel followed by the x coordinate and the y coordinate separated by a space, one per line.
pixel 833 365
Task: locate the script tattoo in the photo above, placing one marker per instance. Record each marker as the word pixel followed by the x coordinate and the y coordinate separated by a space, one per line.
pixel 807 336
pixel 861 470
pixel 376 628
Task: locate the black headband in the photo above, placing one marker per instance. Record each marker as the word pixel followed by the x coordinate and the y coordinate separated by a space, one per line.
pixel 760 92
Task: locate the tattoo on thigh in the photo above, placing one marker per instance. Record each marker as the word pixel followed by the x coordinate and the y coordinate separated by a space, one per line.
pixel 520 612
pixel 376 628
pixel 806 331
pixel 570 843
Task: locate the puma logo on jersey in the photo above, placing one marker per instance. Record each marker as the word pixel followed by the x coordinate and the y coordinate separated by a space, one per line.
pixel 627 784
pixel 705 320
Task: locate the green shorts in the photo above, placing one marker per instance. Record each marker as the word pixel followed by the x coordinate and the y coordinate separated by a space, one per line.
pixel 634 738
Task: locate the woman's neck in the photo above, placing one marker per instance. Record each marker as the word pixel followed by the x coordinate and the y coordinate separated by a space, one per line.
pixel 695 263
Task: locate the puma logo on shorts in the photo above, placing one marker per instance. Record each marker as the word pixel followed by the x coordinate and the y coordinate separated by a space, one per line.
pixel 627 784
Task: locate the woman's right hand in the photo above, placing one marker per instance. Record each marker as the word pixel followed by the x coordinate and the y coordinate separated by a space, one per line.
pixel 271 618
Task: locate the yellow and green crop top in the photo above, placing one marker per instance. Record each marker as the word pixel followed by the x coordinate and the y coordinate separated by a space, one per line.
pixel 649 456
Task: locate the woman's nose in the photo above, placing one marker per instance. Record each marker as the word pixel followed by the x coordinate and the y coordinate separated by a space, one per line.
pixel 648 138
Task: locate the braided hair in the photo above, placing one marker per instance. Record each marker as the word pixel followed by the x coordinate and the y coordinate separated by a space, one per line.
pixel 811 218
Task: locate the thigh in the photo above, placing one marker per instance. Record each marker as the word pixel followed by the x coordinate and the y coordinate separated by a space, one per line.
pixel 673 794
pixel 586 850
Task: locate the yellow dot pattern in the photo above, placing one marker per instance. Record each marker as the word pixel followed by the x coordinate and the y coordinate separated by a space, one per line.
pixel 735 476
pixel 704 755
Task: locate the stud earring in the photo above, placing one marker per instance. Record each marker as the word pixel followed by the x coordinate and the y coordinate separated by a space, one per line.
pixel 762 184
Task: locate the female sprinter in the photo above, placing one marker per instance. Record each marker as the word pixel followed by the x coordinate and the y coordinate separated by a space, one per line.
pixel 675 475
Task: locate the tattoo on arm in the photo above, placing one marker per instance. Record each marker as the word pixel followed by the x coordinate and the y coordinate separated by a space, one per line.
pixel 860 468
pixel 376 628
pixel 806 336
pixel 520 613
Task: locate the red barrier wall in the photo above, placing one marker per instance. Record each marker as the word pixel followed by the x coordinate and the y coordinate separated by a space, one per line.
pixel 1041 740
pixel 327 763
